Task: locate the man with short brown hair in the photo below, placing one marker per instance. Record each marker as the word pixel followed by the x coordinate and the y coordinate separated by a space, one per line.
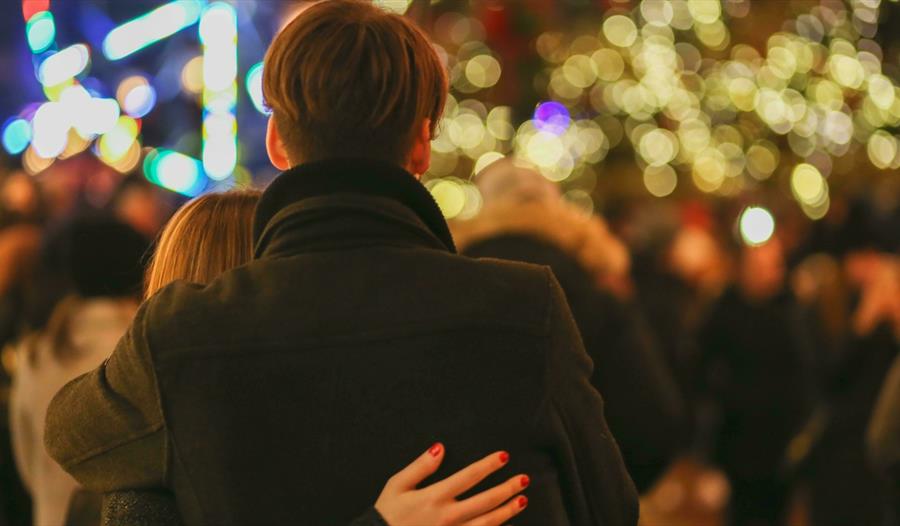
pixel 290 388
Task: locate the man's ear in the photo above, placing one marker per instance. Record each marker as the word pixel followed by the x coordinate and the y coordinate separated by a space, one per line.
pixel 275 147
pixel 420 155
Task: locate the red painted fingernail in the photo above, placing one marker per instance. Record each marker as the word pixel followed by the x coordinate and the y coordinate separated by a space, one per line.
pixel 504 457
pixel 435 450
pixel 522 501
pixel 524 481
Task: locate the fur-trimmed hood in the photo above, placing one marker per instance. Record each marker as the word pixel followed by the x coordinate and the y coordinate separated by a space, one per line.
pixel 584 237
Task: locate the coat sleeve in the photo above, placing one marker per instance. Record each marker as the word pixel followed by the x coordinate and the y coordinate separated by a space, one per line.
pixel 591 470
pixel 106 427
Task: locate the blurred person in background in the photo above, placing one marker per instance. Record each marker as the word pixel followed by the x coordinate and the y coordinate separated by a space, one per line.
pixel 755 370
pixel 844 487
pixel 140 204
pixel 21 231
pixel 678 270
pixel 883 436
pixel 524 218
pixel 103 262
pixel 22 217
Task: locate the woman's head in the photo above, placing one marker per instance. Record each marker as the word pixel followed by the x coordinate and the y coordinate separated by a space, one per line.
pixel 206 237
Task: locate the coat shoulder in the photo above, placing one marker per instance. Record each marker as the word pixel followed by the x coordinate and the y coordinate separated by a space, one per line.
pixel 337 295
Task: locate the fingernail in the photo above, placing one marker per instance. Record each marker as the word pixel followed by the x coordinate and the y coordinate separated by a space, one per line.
pixel 504 457
pixel 435 450
pixel 524 481
pixel 522 501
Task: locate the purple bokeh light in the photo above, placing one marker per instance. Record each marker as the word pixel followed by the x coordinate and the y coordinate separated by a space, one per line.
pixel 552 117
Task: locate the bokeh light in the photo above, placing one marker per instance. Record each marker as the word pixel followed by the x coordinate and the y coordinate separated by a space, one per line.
pixel 662 82
pixel 396 6
pixel 40 31
pixel 486 160
pixel 192 75
pixel 483 71
pixel 808 185
pixel 883 150
pixel 50 130
pixel 162 22
pixel 450 197
pixel 174 171
pixel 136 96
pixel 16 135
pixel 552 117
pixel 620 30
pixel 62 66
pixel 756 225
pixel 218 33
pixel 660 180
pixel 254 87
pixel 114 144
pixel 33 7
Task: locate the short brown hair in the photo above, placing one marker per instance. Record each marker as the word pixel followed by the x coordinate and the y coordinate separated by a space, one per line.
pixel 206 237
pixel 348 79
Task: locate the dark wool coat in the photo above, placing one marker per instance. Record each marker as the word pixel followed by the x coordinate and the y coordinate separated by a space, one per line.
pixel 291 388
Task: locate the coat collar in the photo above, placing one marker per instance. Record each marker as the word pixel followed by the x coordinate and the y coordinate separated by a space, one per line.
pixel 371 186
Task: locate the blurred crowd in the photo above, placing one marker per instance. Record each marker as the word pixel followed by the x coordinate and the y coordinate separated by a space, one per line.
pixel 749 374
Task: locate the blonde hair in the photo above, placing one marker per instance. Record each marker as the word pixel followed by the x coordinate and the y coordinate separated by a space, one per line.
pixel 206 237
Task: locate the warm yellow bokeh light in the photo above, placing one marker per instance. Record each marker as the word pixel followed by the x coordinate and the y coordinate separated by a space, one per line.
pixel 486 160
pixel 762 160
pixel 708 170
pixel 808 185
pixel 114 144
pixel 544 149
pixel 742 92
pixel 450 197
pixel 694 135
pixel 660 181
pixel 466 130
pixel 846 71
pixel 882 149
pixel 395 6
pixel 483 71
pixel 658 147
pixel 705 11
pixel 580 71
pixel 620 30
pixel 657 12
pixel 715 36
pixel 192 75
pixel 609 64
pixel 881 90
pixel 499 123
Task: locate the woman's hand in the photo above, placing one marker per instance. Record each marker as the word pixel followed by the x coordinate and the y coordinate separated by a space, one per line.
pixel 402 504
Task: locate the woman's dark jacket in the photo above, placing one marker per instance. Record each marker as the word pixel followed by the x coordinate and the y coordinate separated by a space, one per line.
pixel 294 386
pixel 644 407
